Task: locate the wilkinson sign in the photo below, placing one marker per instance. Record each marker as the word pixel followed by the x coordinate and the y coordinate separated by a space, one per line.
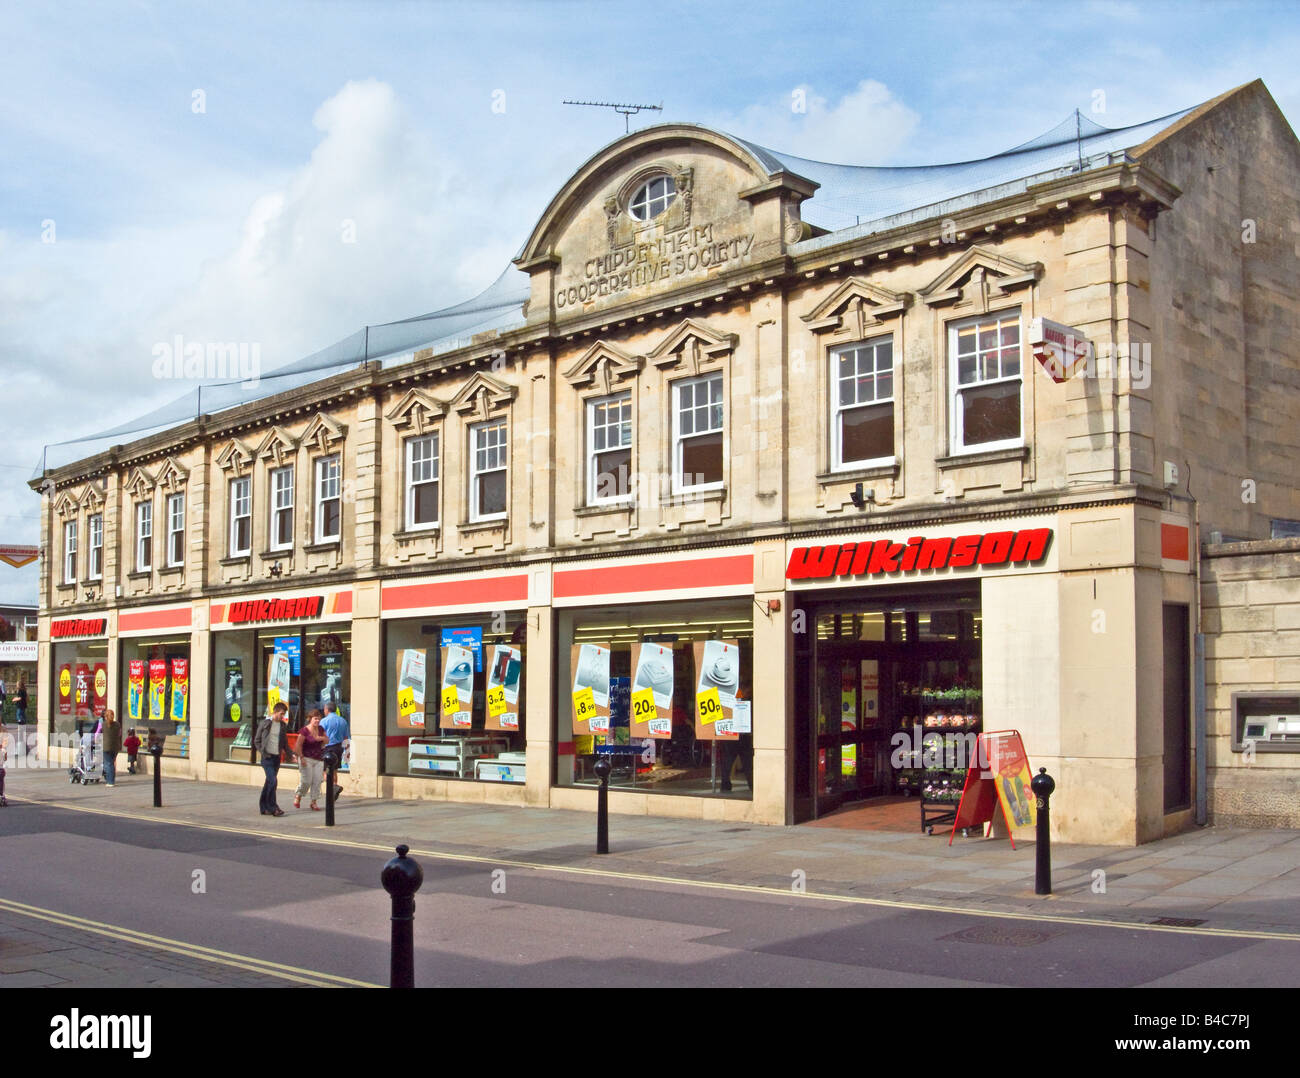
pixel 887 556
pixel 77 627
pixel 274 609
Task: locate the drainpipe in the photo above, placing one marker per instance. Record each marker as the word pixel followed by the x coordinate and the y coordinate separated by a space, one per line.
pixel 1198 673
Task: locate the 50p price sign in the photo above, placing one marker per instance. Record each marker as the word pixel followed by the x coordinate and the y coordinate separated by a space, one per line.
pixel 708 706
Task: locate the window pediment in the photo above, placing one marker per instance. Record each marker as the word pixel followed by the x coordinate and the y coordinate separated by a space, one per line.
pixel 277 444
pixel 171 475
pixel 67 506
pixel 978 276
pixel 322 433
pixel 692 346
pixel 91 499
pixel 602 365
pixel 234 457
pixel 140 484
pixel 417 410
pixel 858 306
pixel 482 395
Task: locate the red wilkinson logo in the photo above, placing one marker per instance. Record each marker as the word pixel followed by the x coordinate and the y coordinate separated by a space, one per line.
pixel 887 556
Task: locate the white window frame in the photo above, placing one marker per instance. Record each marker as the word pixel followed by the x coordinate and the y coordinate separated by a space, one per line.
pixel 323 483
pixel 838 463
pixel 143 531
pixel 95 549
pixel 434 463
pixel 593 471
pixel 279 507
pixel 679 485
pixel 641 198
pixel 235 500
pixel 175 557
pixel 475 473
pixel 70 552
pixel 956 433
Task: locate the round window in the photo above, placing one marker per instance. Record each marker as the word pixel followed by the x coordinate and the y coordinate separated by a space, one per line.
pixel 652 198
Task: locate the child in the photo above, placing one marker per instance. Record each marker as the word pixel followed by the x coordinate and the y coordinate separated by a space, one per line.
pixel 4 759
pixel 132 745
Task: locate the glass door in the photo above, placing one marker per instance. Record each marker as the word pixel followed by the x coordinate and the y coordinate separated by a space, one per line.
pixel 852 733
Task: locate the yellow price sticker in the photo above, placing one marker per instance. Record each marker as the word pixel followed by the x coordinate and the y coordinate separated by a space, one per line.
pixel 496 701
pixel 708 706
pixel 272 698
pixel 405 701
pixel 450 700
pixel 236 712
pixel 584 704
pixel 643 705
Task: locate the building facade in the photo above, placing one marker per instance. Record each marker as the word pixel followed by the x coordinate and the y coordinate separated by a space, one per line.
pixel 739 503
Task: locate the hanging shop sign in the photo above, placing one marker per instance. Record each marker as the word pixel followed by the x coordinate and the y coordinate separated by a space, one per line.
pixel 278 676
pixel 249 611
pixel 157 688
pixel 18 556
pixel 457 710
pixel 18 652
pixel 410 688
pixel 77 627
pixel 1060 350
pixel 469 638
pixel 918 553
pixel 101 689
pixel 717 667
pixel 503 688
pixel 179 711
pixel 590 688
pixel 65 689
pixel 652 691
pixel 234 690
pixel 997 779
pixel 135 690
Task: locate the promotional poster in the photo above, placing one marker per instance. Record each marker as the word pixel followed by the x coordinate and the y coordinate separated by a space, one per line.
pixel 101 689
pixel 180 690
pixel 717 663
pixel 135 690
pixel 410 688
pixel 652 692
pixel 590 688
pixel 234 690
pixel 157 689
pixel 457 708
pixel 503 688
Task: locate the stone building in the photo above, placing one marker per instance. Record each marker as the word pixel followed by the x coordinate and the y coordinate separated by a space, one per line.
pixel 745 494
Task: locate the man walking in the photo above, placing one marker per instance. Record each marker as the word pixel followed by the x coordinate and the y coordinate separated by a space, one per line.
pixel 336 726
pixel 271 739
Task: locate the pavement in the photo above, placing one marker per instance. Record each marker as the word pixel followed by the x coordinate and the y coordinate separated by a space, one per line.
pixel 1214 879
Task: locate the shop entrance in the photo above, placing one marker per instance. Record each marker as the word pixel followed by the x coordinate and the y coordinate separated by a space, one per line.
pixel 909 666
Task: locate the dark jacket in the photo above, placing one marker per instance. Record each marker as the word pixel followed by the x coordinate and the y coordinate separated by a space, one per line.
pixel 262 733
pixel 112 737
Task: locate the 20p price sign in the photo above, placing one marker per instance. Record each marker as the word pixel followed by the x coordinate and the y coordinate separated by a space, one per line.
pixel 708 706
pixel 496 701
pixel 643 706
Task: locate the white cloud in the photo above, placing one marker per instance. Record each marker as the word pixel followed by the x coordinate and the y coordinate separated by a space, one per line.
pixel 867 126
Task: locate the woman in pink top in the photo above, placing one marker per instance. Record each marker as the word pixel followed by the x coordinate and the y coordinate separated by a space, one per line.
pixel 311 760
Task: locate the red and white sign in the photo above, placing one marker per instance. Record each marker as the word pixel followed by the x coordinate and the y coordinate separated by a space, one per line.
pixel 1061 350
pixel 77 627
pixel 918 553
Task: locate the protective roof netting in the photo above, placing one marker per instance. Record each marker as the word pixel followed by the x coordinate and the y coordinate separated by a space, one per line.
pixel 499 306
pixel 851 197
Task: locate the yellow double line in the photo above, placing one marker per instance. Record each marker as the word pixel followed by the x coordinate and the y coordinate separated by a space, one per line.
pixel 710 885
pixel 120 934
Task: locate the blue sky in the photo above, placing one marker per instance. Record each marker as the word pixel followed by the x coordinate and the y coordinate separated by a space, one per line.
pixel 223 222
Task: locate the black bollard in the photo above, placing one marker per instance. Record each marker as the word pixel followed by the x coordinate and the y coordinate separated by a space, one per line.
pixel 401 878
pixel 602 805
pixel 156 752
pixel 1042 785
pixel 331 766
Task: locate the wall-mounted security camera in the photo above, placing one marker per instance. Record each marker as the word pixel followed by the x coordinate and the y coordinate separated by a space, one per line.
pixel 861 498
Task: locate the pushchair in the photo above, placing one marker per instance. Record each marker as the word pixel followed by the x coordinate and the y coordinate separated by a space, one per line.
pixel 89 765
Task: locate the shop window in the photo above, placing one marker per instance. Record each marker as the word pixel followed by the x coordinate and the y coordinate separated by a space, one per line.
pixel 241 517
pixel 986 378
pixel 70 552
pixel 143 537
pixel 95 563
pixel 154 682
pixel 422 471
pixel 862 404
pixel 328 500
pixel 77 705
pixel 488 462
pixel 652 198
pixel 664 692
pixel 609 449
pixel 697 434
pixel 454 697
pixel 282 508
pixel 175 530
